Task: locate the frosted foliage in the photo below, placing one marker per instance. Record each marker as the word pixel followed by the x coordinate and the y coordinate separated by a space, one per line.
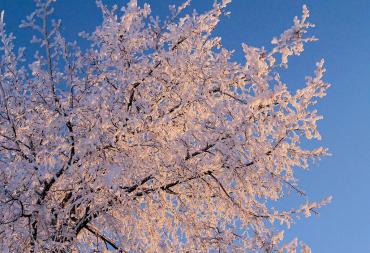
pixel 152 139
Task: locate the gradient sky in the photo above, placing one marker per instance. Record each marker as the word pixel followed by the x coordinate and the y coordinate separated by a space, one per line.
pixel 343 29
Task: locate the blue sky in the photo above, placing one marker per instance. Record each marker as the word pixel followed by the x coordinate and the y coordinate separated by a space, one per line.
pixel 343 29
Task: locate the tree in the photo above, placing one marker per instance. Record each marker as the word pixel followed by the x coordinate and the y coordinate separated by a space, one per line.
pixel 152 139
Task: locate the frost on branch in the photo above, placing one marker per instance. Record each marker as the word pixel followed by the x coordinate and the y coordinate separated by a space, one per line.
pixel 152 139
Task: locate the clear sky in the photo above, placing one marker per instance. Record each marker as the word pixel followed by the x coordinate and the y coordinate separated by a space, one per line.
pixel 343 29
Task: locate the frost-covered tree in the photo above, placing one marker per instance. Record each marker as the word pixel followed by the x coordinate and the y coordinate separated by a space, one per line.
pixel 152 139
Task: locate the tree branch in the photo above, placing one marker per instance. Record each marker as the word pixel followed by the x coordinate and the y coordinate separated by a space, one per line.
pixel 107 240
